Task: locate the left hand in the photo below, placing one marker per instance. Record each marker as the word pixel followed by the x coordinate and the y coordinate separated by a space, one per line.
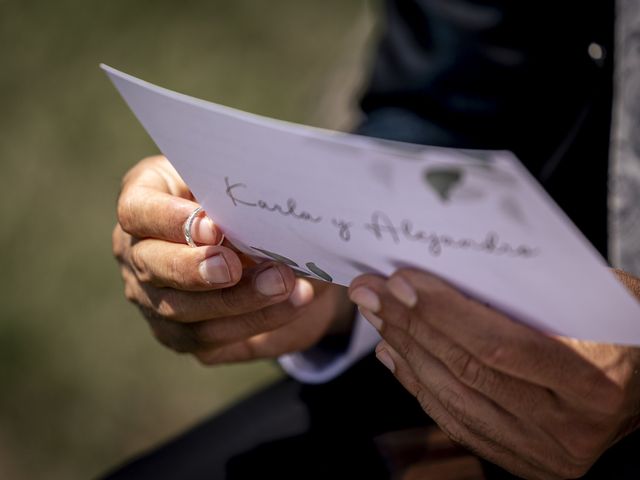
pixel 212 301
pixel 539 406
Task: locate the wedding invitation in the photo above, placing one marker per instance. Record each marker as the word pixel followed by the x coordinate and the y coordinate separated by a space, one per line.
pixel 335 205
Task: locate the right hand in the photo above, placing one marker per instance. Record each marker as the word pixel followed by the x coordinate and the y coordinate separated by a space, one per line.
pixel 212 301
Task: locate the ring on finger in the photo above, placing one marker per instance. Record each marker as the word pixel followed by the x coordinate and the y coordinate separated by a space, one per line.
pixel 188 224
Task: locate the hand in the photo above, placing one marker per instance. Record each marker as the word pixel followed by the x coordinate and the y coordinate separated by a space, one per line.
pixel 211 300
pixel 539 406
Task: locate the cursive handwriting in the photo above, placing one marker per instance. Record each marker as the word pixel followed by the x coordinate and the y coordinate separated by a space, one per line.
pixel 291 208
pixel 381 226
pixel 344 228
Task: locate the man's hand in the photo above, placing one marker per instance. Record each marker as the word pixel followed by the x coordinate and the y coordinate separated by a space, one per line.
pixel 211 300
pixel 539 406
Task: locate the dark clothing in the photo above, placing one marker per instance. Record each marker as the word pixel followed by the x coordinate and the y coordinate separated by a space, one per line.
pixel 292 431
pixel 316 432
pixel 498 74
pixel 503 74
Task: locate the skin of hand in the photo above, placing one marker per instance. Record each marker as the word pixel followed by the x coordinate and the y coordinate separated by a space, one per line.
pixel 212 301
pixel 541 407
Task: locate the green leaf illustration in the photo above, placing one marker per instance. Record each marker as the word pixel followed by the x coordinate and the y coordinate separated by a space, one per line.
pixel 277 257
pixel 301 273
pixel 319 272
pixel 443 180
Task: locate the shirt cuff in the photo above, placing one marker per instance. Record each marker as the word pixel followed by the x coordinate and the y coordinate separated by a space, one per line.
pixel 318 365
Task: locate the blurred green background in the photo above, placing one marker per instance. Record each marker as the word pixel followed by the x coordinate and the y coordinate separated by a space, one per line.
pixel 83 384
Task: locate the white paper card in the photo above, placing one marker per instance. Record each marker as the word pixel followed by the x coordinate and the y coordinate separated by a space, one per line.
pixel 336 205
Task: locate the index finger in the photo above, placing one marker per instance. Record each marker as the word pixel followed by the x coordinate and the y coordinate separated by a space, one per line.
pixel 494 339
pixel 151 205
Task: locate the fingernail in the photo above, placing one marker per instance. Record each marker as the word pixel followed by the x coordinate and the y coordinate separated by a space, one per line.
pixel 205 231
pixel 366 298
pixel 372 318
pixel 302 293
pixel 403 291
pixel 385 359
pixel 215 270
pixel 270 282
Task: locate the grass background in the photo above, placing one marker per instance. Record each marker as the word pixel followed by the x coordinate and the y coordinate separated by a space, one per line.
pixel 82 383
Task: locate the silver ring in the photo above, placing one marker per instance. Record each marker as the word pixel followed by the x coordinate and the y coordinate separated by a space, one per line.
pixel 186 228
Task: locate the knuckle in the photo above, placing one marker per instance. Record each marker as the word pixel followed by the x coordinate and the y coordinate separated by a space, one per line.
pixel 572 470
pixel 454 434
pixel 458 360
pixel 424 399
pixel 467 368
pixel 166 311
pixel 166 307
pixel 144 276
pixel 207 333
pixel 495 354
pixel 429 405
pixel 453 402
pixel 117 243
pixel 404 346
pixel 123 211
pixel 478 376
pixel 130 293
pixel 138 263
